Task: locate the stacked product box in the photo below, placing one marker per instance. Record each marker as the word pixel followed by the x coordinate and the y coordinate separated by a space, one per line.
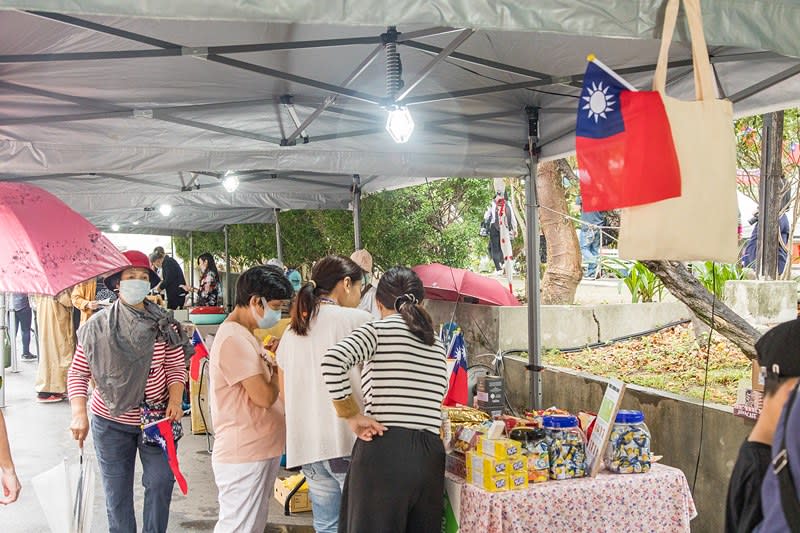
pixel 490 395
pixel 497 465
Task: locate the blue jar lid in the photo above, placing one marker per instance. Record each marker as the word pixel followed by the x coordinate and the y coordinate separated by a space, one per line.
pixel 559 421
pixel 629 417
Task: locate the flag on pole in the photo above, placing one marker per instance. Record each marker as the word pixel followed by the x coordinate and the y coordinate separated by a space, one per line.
pixel 161 432
pixel 458 389
pixel 200 353
pixel 626 155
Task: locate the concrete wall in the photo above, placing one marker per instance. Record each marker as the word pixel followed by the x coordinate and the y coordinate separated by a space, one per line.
pixel 489 328
pixel 762 303
pixel 673 421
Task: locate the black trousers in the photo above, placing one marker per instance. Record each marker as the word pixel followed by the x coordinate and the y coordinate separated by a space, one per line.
pixel 495 251
pixel 23 321
pixel 395 484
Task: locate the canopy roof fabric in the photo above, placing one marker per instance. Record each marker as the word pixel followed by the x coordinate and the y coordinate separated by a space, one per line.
pixel 121 111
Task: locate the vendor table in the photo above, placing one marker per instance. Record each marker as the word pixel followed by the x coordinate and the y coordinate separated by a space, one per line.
pixel 659 501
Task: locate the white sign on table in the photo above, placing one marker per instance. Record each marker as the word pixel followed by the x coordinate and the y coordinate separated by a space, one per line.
pixel 603 424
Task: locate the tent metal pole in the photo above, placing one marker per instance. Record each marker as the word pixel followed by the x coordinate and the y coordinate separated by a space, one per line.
pixel 227 271
pixel 441 56
pixel 357 211
pixel 533 264
pixel 191 267
pixel 3 337
pixel 278 243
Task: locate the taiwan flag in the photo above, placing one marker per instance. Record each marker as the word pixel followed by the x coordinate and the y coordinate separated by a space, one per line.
pixel 161 432
pixel 200 353
pixel 458 389
pixel 623 139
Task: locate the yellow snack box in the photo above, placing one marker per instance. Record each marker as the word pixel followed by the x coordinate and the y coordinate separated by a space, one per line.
pixel 518 480
pixel 517 464
pixel 489 465
pixel 499 448
pixel 468 461
pixel 491 482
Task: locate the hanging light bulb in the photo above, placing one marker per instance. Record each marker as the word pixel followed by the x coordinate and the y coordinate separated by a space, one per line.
pixel 400 124
pixel 114 227
pixel 230 181
pixel 165 210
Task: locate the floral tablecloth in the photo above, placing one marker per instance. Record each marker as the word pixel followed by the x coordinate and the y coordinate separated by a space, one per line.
pixel 659 501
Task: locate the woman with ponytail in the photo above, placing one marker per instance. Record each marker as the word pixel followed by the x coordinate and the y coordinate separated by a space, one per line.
pixel 396 476
pixel 324 312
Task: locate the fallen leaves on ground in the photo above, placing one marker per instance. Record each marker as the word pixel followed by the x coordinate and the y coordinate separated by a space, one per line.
pixel 671 360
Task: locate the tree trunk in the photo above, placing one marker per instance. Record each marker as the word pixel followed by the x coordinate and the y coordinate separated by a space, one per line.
pixel 684 286
pixel 563 273
pixel 771 196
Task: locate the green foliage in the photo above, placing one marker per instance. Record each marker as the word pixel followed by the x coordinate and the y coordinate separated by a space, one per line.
pixel 643 284
pixel 714 275
pixel 435 222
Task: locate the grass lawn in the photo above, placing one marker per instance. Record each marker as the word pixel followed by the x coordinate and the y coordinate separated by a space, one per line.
pixel 671 360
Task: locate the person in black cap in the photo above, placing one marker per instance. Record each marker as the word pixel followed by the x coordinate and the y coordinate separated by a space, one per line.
pixel 779 357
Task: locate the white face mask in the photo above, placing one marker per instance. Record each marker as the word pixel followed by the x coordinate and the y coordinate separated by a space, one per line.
pixel 133 291
pixel 270 318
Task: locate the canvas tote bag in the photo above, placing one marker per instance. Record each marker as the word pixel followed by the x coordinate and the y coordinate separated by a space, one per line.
pixel 701 223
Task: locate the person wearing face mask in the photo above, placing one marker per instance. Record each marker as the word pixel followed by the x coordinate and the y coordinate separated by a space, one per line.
pixel 324 312
pixel 136 355
pixel 247 413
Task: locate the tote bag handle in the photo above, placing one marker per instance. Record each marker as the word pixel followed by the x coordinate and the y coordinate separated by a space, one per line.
pixel 703 78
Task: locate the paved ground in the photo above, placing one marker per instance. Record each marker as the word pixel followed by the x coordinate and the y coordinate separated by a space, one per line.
pixel 40 439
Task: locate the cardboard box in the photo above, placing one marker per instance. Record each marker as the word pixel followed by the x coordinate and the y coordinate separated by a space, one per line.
pixel 299 503
pixel 486 464
pixel 491 482
pixel 490 391
pixel 518 480
pixel 758 382
pixel 492 411
pixel 456 464
pixel 499 448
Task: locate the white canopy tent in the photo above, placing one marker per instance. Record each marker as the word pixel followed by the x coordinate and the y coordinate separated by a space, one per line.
pixel 151 102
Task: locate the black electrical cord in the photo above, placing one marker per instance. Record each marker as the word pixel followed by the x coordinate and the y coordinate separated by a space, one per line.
pixel 705 378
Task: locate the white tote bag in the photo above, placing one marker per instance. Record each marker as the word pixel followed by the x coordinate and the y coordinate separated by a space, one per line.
pixel 700 225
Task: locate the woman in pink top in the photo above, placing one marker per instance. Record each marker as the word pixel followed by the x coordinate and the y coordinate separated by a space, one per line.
pixel 248 416
pixel 135 354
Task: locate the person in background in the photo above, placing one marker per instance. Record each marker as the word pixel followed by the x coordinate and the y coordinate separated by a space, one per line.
pixel 364 259
pixel 54 320
pixel 779 355
pixel 130 377
pixel 396 476
pixel 23 316
pixel 750 252
pixel 324 312
pixel 248 419
pixel 295 278
pixel 90 296
pixel 590 239
pixel 208 292
pixel 172 281
pixel 9 483
pixel 492 218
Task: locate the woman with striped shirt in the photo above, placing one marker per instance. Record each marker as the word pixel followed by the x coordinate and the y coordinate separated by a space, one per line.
pixel 135 355
pixel 396 477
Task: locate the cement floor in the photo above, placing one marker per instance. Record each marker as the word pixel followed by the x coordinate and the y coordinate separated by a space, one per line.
pixel 40 439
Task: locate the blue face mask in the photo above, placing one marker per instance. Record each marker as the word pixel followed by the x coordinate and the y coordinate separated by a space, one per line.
pixel 133 291
pixel 270 318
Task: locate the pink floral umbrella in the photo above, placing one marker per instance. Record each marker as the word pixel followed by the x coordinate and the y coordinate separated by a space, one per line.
pixel 46 247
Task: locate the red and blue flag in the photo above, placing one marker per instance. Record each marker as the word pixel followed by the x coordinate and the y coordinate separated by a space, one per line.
pixel 161 432
pixel 458 389
pixel 200 353
pixel 626 154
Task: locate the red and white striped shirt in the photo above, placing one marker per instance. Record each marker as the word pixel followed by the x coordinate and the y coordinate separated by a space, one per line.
pixel 168 367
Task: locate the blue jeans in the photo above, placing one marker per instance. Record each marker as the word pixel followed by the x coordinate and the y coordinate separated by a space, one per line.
pixel 325 484
pixel 590 249
pixel 115 445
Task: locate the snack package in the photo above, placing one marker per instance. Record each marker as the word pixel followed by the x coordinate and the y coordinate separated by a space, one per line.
pixel 491 482
pixel 518 480
pixel 499 448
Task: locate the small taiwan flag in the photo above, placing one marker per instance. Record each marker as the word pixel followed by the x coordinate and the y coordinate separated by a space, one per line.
pixel 626 155
pixel 161 432
pixel 458 389
pixel 200 353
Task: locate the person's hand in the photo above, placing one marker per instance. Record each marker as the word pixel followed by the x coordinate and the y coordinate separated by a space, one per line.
pixel 11 486
pixel 272 345
pixel 365 427
pixel 175 410
pixel 79 428
pixel 94 305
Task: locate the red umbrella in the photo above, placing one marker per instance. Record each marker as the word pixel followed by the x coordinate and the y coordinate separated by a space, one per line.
pixel 454 284
pixel 46 247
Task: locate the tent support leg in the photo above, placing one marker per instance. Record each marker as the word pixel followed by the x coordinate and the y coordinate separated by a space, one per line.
pixel 533 264
pixel 3 337
pixel 12 334
pixel 191 266
pixel 227 272
pixel 278 243
pixel 357 211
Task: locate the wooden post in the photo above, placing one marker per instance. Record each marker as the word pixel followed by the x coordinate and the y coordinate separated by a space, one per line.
pixel 770 195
